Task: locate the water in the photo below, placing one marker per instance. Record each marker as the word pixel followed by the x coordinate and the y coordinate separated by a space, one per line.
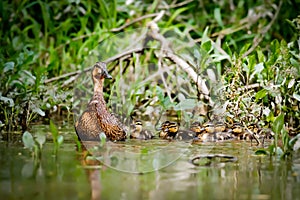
pixel 69 176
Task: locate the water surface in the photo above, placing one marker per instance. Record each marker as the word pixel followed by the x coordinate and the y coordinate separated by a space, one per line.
pixel 124 171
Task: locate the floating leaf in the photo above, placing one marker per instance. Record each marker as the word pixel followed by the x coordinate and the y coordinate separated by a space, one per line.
pixel 28 140
pixel 261 152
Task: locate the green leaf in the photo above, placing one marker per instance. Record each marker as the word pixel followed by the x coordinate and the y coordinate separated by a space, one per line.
pixel 207 46
pixel 278 124
pixel 217 15
pixel 40 139
pixel 261 94
pixel 159 93
pixel 296 96
pixel 7 100
pixel 102 137
pixel 38 111
pixel 28 140
pixel 8 66
pixel 186 104
pixel 60 139
pixel 54 131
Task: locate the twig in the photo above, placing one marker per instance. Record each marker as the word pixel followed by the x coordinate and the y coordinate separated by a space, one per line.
pixel 258 38
pixel 247 87
pixel 176 5
pixel 134 21
pixel 176 59
pixel 116 57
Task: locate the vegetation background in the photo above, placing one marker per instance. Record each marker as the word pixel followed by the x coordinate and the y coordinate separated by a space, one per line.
pixel 45 44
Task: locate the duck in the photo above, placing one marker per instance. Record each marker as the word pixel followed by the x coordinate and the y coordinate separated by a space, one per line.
pixel 96 119
pixel 139 133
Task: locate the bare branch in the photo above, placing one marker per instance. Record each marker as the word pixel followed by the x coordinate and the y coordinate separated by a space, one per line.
pixel 258 38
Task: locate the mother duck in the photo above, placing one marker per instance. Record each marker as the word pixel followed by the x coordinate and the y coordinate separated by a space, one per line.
pixel 96 118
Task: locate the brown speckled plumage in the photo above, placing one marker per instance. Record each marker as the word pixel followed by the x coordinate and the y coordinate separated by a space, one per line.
pixel 96 118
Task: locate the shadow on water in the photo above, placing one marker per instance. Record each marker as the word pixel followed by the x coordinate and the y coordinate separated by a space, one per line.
pixel 136 170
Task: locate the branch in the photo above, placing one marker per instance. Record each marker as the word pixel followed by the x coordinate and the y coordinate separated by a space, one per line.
pixel 165 46
pixel 134 21
pixel 258 38
pixel 116 57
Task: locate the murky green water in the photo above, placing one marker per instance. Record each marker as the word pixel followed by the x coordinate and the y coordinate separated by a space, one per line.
pixel 68 176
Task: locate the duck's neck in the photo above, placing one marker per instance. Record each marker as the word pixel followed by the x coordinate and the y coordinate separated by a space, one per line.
pixel 98 92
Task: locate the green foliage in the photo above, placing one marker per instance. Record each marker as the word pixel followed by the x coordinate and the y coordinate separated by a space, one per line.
pixel 257 64
pixel 34 143
pixel 56 137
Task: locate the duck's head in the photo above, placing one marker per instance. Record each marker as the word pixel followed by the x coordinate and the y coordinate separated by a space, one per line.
pixel 209 127
pixel 237 128
pixel 138 125
pixel 100 72
pixel 196 127
pixel 173 127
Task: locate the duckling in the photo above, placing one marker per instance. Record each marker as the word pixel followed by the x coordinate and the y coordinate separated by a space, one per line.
pixel 185 134
pixel 220 131
pixel 171 129
pixel 237 130
pixel 139 133
pixel 163 129
pixel 196 128
pixel 207 133
pixel 96 118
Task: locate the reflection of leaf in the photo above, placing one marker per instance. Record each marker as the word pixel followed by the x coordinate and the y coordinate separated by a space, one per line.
pixel 28 140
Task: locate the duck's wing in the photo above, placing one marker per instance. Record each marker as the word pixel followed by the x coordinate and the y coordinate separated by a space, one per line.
pixel 87 127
